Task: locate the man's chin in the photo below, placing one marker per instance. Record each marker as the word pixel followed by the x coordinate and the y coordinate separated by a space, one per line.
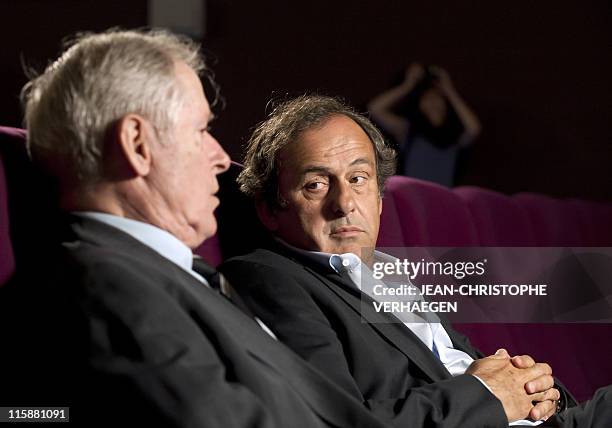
pixel 201 233
pixel 355 248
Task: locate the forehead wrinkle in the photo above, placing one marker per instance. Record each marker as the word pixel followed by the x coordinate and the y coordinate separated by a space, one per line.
pixel 308 169
pixel 325 150
pixel 325 156
pixel 360 161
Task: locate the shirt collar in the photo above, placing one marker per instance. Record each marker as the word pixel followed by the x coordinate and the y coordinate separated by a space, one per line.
pixel 347 262
pixel 158 239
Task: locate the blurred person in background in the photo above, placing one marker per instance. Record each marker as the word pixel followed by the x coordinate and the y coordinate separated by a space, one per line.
pixel 429 121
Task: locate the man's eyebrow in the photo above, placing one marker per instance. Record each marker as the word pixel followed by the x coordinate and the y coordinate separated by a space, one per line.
pixel 360 161
pixel 315 170
pixel 318 169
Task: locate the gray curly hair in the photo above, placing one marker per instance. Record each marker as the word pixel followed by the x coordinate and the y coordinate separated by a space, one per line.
pixel 98 79
pixel 259 178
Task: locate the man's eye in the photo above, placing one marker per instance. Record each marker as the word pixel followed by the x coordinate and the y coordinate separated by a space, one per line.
pixel 359 179
pixel 315 185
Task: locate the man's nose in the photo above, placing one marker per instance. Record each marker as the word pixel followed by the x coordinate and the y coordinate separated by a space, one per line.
pixel 220 159
pixel 342 199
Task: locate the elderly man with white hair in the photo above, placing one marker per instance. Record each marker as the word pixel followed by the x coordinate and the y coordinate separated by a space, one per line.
pixel 123 324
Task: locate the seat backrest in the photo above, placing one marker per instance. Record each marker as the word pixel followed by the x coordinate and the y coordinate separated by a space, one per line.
pixel 417 213
pixel 420 213
pixel 555 222
pixel 500 221
pixel 429 215
pixel 29 204
pixel 7 259
pixel 594 221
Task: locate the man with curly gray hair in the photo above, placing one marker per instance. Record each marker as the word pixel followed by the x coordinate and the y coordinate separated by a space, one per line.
pixel 287 121
pixel 316 170
pixel 126 324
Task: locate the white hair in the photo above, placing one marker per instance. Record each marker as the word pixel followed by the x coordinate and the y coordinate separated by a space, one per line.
pixel 96 81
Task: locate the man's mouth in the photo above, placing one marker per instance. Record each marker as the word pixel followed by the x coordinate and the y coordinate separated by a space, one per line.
pixel 346 231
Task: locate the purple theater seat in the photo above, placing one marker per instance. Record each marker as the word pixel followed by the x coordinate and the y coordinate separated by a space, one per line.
pixel 555 223
pixel 10 138
pixel 7 260
pixel 432 215
pixel 500 221
pixel 8 132
pixel 210 251
pixel 390 233
pixel 429 214
pixel 578 353
pixel 602 225
pixel 595 222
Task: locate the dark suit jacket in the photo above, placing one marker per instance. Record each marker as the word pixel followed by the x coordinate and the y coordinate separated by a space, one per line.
pixel 118 332
pixel 320 315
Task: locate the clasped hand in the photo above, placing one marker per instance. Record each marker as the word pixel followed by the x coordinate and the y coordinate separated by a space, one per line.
pixel 524 387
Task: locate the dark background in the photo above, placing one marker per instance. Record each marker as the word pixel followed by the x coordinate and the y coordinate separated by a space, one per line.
pixel 536 73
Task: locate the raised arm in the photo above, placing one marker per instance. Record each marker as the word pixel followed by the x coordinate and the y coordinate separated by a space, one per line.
pixel 381 106
pixel 466 115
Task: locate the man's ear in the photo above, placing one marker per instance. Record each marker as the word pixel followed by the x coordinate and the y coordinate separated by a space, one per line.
pixel 135 135
pixel 266 215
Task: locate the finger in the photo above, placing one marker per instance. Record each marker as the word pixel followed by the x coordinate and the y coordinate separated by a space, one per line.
pixel 485 364
pixel 523 361
pixel 552 394
pixel 537 370
pixel 540 384
pixel 501 353
pixel 543 410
